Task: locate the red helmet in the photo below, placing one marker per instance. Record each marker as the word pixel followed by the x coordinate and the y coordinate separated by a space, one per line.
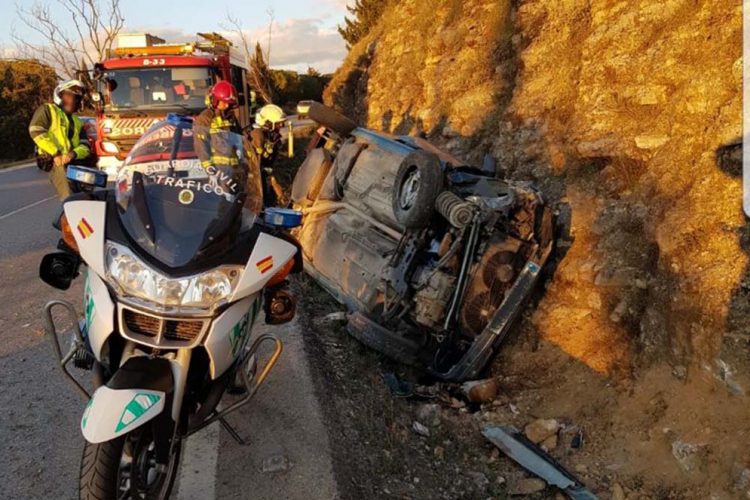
pixel 223 91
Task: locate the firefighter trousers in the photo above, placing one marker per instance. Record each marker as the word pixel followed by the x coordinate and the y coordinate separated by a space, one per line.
pixel 60 182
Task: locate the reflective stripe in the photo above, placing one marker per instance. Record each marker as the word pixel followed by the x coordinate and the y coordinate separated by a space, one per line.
pixel 224 160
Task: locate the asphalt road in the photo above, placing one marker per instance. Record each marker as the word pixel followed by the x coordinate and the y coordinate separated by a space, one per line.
pixel 287 455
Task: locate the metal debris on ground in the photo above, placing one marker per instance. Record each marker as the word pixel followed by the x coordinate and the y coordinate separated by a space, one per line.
pixel 535 460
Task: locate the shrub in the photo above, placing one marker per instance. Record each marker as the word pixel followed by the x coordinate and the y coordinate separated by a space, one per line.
pixel 24 85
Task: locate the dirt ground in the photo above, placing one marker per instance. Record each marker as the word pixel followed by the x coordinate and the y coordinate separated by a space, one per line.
pixel 643 438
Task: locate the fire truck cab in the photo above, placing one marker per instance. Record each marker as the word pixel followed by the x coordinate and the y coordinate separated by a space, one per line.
pixel 144 78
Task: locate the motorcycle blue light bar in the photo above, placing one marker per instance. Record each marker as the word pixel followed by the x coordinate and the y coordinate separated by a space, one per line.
pixel 283 217
pixel 86 175
pixel 178 119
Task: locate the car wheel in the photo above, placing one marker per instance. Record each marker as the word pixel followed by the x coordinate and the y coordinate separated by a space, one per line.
pixel 418 183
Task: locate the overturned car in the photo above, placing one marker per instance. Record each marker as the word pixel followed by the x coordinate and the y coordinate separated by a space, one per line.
pixel 433 259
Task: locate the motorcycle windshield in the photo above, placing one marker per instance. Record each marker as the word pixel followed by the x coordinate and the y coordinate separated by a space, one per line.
pixel 185 192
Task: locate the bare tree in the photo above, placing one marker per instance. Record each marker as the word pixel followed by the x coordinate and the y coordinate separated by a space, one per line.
pixel 259 76
pixel 95 30
pixel 271 18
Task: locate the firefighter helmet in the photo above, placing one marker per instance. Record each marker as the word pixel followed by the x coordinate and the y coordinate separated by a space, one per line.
pixel 223 91
pixel 269 116
pixel 75 87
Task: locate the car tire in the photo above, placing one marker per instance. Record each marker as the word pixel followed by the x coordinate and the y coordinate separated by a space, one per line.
pixel 330 118
pixel 418 183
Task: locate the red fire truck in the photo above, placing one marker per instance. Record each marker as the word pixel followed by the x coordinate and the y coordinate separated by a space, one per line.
pixel 145 78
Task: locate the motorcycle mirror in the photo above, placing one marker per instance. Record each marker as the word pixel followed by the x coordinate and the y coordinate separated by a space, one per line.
pixel 86 175
pixel 282 217
pixel 59 269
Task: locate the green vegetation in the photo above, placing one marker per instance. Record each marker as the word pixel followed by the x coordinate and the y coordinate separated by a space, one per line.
pixel 24 85
pixel 365 14
pixel 290 87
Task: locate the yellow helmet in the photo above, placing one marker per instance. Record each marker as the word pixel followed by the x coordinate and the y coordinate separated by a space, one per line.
pixel 270 114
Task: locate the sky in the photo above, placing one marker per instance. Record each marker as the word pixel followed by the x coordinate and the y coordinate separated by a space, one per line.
pixel 304 32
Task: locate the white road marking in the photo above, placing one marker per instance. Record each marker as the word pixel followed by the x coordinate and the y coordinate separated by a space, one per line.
pixel 17 167
pixel 30 205
pixel 200 456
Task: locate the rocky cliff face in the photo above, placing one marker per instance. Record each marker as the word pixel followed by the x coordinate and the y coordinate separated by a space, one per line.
pixel 628 114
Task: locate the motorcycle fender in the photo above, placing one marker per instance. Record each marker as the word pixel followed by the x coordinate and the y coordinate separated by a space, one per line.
pixel 137 393
pixel 229 333
pixel 111 412
pixel 87 221
pixel 99 311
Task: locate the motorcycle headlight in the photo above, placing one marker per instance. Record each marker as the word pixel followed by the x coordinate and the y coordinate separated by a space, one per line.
pixel 136 279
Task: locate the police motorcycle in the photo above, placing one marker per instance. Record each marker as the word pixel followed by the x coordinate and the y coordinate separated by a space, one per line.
pixel 179 258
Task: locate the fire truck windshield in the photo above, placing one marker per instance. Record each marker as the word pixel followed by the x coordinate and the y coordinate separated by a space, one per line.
pixel 156 88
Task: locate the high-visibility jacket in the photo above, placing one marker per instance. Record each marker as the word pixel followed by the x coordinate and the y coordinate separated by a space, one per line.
pixel 57 133
pixel 211 139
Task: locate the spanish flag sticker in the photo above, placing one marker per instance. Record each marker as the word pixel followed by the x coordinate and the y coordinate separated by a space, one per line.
pixel 265 264
pixel 85 229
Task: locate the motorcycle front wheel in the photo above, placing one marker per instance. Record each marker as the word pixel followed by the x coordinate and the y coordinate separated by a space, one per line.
pixel 126 468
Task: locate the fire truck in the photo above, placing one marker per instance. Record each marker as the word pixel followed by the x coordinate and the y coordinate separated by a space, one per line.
pixel 144 78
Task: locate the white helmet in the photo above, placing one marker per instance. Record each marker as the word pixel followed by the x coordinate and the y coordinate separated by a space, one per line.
pixel 269 114
pixel 75 86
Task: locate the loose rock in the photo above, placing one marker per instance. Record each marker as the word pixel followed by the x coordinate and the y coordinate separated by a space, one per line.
pixel 429 413
pixel 550 443
pixel 691 457
pixel 480 480
pixel 420 429
pixel 617 492
pixel 276 463
pixel 480 391
pixel 527 486
pixel 539 430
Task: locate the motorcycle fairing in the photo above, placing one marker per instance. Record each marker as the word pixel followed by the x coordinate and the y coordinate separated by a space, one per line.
pixel 229 333
pixel 99 312
pixel 87 221
pixel 269 255
pixel 136 394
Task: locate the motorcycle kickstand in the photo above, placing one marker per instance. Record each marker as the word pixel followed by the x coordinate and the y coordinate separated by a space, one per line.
pixel 232 432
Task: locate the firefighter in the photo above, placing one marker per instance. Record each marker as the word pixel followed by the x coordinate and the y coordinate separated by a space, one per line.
pixel 266 140
pixel 56 131
pixel 213 123
pixel 219 141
